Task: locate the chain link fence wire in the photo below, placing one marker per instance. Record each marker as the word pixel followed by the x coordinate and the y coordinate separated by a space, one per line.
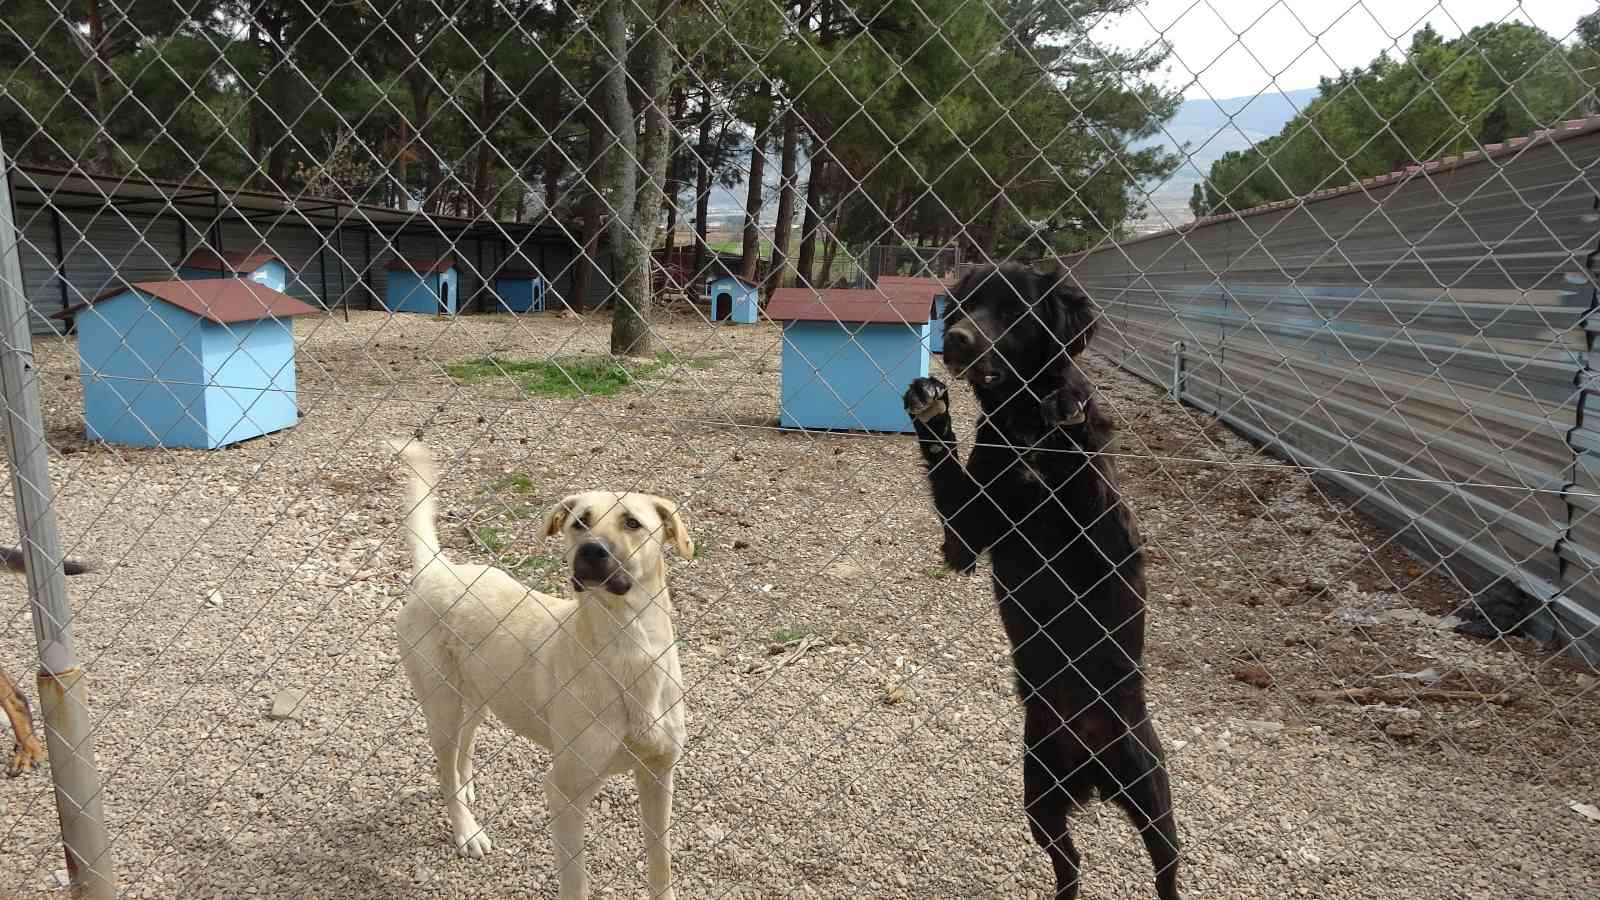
pixel 1349 374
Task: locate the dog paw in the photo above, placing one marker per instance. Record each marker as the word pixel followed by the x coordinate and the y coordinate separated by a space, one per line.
pixel 25 756
pixel 927 399
pixel 1063 409
pixel 475 845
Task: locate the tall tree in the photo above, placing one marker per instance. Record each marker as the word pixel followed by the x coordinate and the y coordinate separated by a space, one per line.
pixel 638 164
pixel 782 226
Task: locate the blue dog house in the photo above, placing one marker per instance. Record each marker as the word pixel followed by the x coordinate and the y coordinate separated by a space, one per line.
pixel 941 303
pixel 199 364
pixel 260 266
pixel 848 356
pixel 519 290
pixel 735 298
pixel 422 286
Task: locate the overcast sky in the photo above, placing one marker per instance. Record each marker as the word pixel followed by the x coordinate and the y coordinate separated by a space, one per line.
pixel 1238 48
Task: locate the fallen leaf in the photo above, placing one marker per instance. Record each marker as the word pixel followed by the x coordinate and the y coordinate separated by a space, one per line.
pixel 1587 810
pixel 1255 676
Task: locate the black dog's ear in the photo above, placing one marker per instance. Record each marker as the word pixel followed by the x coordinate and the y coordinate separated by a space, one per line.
pixel 1068 312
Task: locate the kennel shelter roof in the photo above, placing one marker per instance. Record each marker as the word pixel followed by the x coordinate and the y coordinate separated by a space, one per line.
pixel 221 300
pixel 901 305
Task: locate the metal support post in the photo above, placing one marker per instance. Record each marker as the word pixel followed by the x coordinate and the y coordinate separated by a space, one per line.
pixel 63 690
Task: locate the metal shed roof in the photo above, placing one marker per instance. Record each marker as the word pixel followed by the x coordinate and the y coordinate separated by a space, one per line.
pixel 904 305
pixel 221 300
pixel 200 198
pixel 229 260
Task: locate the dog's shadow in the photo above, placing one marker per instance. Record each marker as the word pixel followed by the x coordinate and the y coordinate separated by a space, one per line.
pixel 388 849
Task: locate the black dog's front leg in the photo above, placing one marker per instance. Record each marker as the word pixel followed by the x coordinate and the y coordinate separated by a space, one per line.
pixel 1067 404
pixel 970 518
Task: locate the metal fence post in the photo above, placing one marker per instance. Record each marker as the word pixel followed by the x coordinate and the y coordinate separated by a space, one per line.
pixel 63 689
pixel 1176 389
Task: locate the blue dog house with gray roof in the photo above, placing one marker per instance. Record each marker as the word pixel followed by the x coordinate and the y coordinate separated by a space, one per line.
pixel 199 364
pixel 261 266
pixel 422 286
pixel 735 299
pixel 848 356
pixel 520 290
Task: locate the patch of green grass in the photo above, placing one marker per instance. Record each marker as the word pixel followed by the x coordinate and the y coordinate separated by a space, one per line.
pixel 488 537
pixel 575 376
pixel 538 564
pixel 515 483
pixel 790 634
pixel 562 378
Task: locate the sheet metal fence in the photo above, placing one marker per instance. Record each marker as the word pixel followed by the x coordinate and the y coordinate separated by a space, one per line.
pixel 1422 340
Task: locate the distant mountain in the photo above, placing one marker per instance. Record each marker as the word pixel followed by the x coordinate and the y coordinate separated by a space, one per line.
pixel 1211 128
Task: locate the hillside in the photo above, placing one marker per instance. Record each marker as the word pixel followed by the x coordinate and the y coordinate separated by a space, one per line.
pixel 1211 128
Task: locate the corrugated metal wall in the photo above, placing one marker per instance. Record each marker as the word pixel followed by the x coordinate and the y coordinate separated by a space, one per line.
pixel 1423 341
pixel 327 266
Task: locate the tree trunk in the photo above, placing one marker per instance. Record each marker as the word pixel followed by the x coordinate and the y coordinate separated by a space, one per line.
pixel 750 259
pixel 421 132
pixel 255 112
pixel 782 228
pixel 550 121
pixel 702 188
pixel 482 187
pixel 105 147
pixel 674 173
pixel 635 202
pixel 812 219
pixel 594 209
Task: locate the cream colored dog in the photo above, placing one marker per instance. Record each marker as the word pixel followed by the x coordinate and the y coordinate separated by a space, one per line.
pixel 594 679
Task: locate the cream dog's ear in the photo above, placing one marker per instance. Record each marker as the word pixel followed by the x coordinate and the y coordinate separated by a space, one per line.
pixel 677 529
pixel 557 519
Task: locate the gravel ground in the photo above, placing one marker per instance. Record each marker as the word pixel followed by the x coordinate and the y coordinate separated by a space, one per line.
pixel 874 754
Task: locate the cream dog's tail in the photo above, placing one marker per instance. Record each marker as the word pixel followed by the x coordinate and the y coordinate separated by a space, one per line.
pixel 421 480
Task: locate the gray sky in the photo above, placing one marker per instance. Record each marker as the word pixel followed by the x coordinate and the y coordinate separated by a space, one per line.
pixel 1238 48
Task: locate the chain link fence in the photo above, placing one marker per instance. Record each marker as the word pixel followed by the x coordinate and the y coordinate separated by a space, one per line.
pixel 699 252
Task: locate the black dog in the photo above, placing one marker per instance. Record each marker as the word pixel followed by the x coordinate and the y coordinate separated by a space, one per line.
pixel 1068 565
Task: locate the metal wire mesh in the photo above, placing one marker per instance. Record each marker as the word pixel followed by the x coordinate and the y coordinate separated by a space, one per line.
pixel 701 252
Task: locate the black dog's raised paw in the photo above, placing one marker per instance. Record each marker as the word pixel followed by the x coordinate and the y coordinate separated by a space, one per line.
pixel 1063 409
pixel 927 399
pixel 1068 405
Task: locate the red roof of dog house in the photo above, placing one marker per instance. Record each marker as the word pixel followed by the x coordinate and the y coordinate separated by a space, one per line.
pixel 421 266
pixel 220 300
pixel 898 305
pixel 228 260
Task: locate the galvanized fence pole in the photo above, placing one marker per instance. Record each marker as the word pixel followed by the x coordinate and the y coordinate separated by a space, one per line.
pixel 63 690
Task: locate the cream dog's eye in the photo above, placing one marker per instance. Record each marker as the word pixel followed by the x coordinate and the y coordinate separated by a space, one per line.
pixel 632 523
